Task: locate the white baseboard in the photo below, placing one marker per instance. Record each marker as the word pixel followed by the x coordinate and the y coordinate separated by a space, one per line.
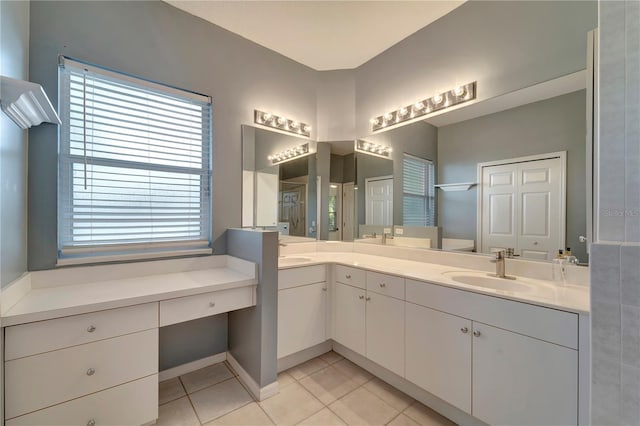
pixel 258 393
pixel 191 366
pixel 292 360
pixel 402 384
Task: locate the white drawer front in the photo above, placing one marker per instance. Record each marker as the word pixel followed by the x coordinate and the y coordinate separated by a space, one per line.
pixel 547 324
pixel 134 403
pixel 39 381
pixel 389 285
pixel 182 309
pixel 351 276
pixel 44 336
pixel 295 277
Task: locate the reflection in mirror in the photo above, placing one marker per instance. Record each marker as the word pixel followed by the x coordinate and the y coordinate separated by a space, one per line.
pixel 523 168
pixel 281 196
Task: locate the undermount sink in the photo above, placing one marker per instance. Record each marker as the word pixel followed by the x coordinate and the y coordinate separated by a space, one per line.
pixel 292 260
pixel 481 279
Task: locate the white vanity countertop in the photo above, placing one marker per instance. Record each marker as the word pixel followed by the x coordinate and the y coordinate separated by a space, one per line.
pixel 41 301
pixel 572 298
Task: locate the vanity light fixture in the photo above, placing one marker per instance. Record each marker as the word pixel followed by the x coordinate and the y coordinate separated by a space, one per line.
pixel 281 123
pixel 289 154
pixel 373 148
pixel 455 96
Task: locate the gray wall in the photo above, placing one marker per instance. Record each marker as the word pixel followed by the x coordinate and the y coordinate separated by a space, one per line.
pixel 14 39
pixel 615 260
pixel 503 45
pixel 253 332
pixel 154 40
pixel 556 124
pixel 336 103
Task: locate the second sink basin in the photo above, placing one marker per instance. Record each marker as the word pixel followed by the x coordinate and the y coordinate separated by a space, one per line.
pixel 292 260
pixel 481 279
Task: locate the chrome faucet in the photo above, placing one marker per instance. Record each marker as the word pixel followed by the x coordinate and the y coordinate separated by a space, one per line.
pixel 499 260
pixel 280 244
pixel 386 236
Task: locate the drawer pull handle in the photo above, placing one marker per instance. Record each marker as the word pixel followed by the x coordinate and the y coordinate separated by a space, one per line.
pixel 368 298
pixel 348 276
pixel 91 372
pixel 383 285
pixel 91 423
pixel 476 333
pixel 465 330
pixel 91 329
pixel 361 297
pixel 212 304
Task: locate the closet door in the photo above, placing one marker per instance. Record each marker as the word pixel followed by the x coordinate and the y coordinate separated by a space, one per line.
pixel 499 216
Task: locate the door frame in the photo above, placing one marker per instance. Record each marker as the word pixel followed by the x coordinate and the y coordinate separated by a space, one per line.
pixel 338 208
pixel 562 155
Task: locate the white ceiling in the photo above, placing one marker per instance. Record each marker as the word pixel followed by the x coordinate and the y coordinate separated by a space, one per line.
pixel 324 35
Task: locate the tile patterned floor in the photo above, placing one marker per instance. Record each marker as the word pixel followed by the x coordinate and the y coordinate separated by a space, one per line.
pixel 325 391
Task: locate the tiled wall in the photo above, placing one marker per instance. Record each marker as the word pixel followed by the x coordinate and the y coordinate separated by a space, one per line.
pixel 615 260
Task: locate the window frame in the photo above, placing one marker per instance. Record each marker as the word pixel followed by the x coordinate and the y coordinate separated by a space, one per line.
pixel 110 252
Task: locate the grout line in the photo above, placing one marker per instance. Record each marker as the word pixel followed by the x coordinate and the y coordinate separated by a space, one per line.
pixel 193 407
pixel 395 417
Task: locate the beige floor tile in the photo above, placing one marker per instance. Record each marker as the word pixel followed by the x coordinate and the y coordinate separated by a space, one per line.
pixel 249 415
pixel 170 390
pixel 426 416
pixel 353 372
pixel 361 407
pixel 291 405
pixel 205 377
pixel 324 417
pixel 328 384
pixel 389 394
pixel 218 400
pixel 331 357
pixel 285 379
pixel 306 368
pixel 403 420
pixel 177 413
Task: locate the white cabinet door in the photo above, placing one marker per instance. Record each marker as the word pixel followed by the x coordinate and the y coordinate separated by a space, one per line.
pixel 302 317
pixel 385 331
pixel 518 380
pixel 349 311
pixel 438 348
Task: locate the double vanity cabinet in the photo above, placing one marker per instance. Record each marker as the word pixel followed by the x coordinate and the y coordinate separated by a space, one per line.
pixel 498 360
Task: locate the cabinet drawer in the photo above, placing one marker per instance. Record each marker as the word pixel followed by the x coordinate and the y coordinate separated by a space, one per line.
pixel 295 277
pixel 133 403
pixel 44 336
pixel 548 324
pixel 388 285
pixel 351 276
pixel 39 381
pixel 182 309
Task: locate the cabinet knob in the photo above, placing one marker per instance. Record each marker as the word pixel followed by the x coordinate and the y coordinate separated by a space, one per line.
pixel 91 422
pixel 348 276
pixel 212 304
pixel 383 285
pixel 91 329
pixel 324 289
pixel 361 297
pixel 465 330
pixel 368 298
pixel 476 333
pixel 91 372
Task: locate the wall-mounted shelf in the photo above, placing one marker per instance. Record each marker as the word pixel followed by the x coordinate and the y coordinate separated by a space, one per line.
pixel 456 186
pixel 26 103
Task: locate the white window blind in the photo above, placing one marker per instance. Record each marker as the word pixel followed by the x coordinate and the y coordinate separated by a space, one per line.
pixel 418 201
pixel 134 166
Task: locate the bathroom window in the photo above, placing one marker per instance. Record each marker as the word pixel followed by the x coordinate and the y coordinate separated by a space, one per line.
pixel 134 175
pixel 418 200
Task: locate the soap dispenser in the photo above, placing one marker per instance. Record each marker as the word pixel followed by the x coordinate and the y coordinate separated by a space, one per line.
pixel 558 264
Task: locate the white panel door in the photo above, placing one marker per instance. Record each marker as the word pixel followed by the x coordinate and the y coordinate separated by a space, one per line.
pixel 348 211
pixel 349 320
pixel 438 348
pixel 499 192
pixel 519 380
pixel 523 207
pixel 266 199
pixel 540 207
pixel 385 331
pixel 379 202
pixel 301 318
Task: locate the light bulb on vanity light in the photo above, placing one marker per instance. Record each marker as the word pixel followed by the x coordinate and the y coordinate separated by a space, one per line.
pixel 266 117
pixel 281 121
pixel 388 117
pixel 293 125
pixel 418 106
pixel 458 91
pixel 402 112
pixel 306 129
pixel 375 121
pixel 437 99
